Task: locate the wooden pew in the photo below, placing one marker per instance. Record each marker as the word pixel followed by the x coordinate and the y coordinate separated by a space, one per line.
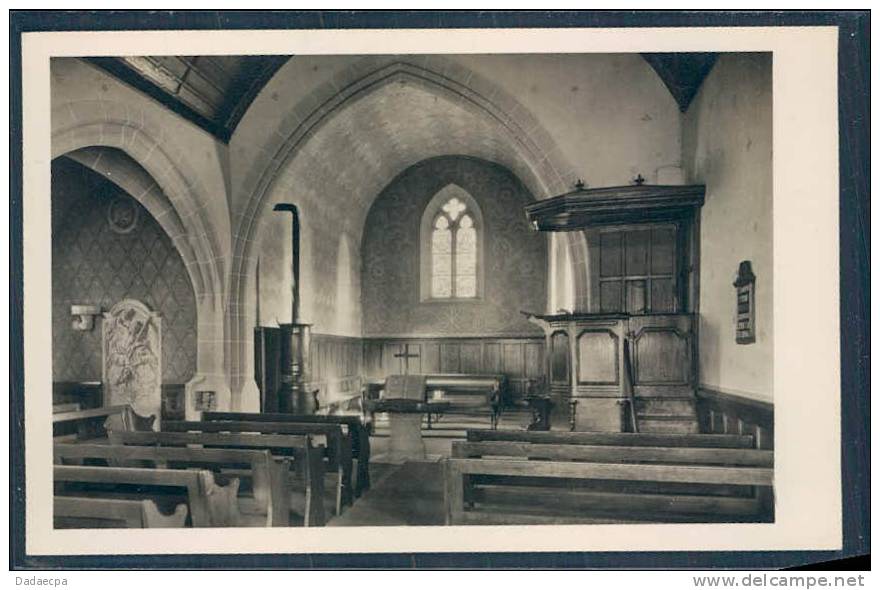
pixel 567 505
pixel 210 505
pixel 67 407
pixel 268 475
pixel 297 452
pixel 85 512
pixel 338 449
pixel 623 439
pixel 94 422
pixel 358 435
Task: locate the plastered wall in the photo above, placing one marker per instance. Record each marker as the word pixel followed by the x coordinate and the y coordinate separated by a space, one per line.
pixel 727 143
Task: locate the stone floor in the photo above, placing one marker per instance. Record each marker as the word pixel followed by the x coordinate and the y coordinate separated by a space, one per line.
pixel 438 440
pixel 407 494
pixel 411 493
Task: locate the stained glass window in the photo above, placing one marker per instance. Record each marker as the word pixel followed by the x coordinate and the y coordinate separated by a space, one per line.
pixel 441 258
pixel 454 252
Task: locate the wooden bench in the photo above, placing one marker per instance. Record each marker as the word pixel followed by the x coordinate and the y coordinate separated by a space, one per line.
pixel 461 394
pixel 67 407
pixel 338 449
pixel 524 507
pixel 84 512
pixel 557 477
pixel 209 504
pixel 358 435
pixel 268 504
pixel 469 394
pixel 305 463
pixel 95 422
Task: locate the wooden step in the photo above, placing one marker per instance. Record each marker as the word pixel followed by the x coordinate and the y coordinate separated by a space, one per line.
pixel 666 423
pixel 671 406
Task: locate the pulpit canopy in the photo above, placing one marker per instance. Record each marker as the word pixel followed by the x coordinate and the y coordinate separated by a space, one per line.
pixel 589 207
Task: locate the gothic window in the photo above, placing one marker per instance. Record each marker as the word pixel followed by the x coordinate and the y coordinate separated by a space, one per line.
pixel 451 249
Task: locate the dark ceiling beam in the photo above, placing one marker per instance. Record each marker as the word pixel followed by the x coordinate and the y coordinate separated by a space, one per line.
pixel 116 68
pixel 238 97
pixel 682 73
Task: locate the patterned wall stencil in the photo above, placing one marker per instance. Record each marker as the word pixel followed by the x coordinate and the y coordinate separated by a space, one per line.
pixel 97 259
pixel 515 257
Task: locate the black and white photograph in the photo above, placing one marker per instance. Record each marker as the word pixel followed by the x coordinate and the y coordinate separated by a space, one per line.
pixel 435 284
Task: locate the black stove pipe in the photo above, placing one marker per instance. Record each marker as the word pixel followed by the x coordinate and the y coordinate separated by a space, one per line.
pixel 295 338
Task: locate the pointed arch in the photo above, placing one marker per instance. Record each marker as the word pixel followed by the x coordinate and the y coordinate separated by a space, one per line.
pixel 88 124
pixel 436 211
pixel 532 156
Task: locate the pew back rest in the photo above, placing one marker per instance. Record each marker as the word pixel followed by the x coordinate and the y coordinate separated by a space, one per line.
pixel 297 448
pixel 358 434
pixel 353 425
pixel 265 470
pixel 114 513
pixel 292 450
pixel 203 494
pixel 614 454
pixel 615 438
pixel 716 475
pixel 94 422
pixel 338 448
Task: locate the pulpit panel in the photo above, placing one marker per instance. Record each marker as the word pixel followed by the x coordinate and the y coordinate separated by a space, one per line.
pixel 662 357
pixel 663 354
pixel 598 357
pixel 559 358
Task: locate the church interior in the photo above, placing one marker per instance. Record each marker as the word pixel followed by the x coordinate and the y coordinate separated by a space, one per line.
pixel 412 290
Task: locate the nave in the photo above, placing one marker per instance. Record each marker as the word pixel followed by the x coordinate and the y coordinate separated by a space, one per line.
pixel 412 289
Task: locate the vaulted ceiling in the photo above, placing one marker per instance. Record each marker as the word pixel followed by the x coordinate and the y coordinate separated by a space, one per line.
pixel 214 92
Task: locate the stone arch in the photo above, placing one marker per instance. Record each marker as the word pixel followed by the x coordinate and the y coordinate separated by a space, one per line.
pixel 123 171
pixel 541 165
pixel 144 168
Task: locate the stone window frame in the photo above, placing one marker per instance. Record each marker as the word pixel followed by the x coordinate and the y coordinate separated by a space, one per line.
pixel 430 213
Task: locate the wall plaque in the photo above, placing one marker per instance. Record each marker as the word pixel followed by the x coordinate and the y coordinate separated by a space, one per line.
pixel 122 215
pixel 745 303
pixel 132 357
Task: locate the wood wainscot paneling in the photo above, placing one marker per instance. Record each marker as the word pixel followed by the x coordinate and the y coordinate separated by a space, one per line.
pixel 726 413
pixel 72 396
pixel 335 364
pixel 520 358
pixel 85 394
pixel 334 367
